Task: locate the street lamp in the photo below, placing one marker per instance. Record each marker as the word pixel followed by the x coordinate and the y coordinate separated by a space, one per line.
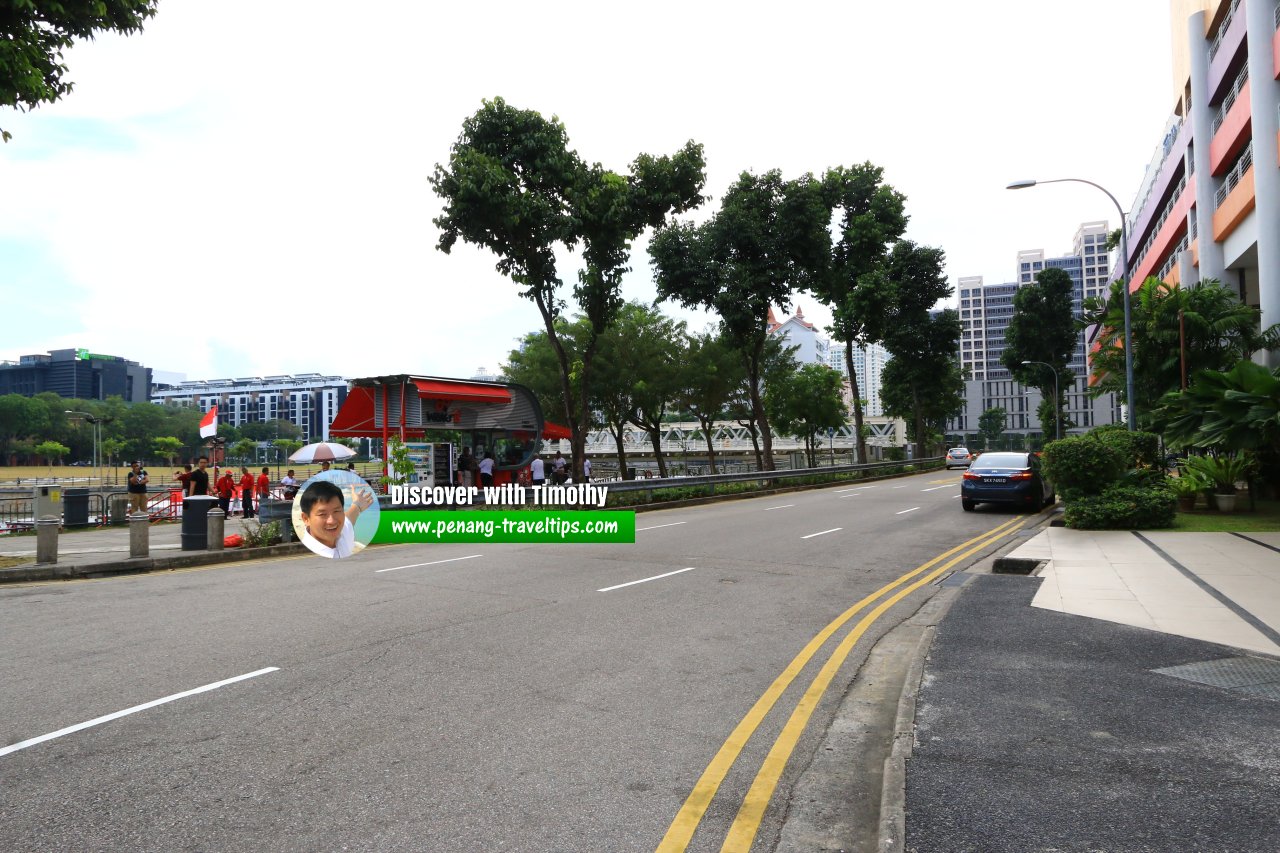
pixel 96 421
pixel 1057 399
pixel 1124 280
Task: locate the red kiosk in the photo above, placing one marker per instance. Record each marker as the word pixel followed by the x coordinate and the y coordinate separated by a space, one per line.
pixel 490 416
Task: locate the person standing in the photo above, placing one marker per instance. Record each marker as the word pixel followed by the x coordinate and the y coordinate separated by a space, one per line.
pixel 486 469
pixel 198 481
pixel 290 484
pixel 137 488
pixel 226 486
pixel 559 466
pixel 264 486
pixel 538 472
pixel 465 464
pixel 246 492
pixel 586 469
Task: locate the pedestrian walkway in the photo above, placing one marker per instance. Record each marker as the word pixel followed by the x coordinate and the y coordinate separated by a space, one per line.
pixel 1218 587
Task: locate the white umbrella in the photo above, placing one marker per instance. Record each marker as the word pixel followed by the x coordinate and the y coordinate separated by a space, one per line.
pixel 322 451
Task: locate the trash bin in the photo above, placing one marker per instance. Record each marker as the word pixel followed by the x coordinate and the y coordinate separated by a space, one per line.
pixel 195 522
pixel 75 507
pixel 281 511
pixel 119 507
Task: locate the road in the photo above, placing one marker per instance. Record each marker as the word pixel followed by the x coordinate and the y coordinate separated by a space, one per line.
pixel 461 697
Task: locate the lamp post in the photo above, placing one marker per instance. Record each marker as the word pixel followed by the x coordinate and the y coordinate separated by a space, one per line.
pixel 96 421
pixel 1057 399
pixel 1124 280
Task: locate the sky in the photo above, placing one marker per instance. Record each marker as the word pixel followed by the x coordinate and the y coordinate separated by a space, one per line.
pixel 241 189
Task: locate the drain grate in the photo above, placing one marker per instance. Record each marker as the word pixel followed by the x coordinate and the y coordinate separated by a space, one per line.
pixel 1255 676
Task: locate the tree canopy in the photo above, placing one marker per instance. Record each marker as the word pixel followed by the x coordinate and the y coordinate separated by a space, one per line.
pixel 33 36
pixel 1043 329
pixel 512 185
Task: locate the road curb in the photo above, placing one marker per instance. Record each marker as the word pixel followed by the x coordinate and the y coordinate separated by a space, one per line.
pixel 141 565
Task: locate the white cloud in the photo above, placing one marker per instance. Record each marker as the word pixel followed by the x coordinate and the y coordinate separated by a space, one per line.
pixel 242 189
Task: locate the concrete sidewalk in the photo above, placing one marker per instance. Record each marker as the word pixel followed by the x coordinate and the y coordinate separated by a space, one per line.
pixel 1126 699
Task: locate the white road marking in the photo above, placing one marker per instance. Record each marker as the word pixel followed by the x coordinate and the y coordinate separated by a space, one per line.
pixel 935 488
pixel 780 506
pixel 656 526
pixel 135 709
pixel 646 580
pixel 433 563
pixel 899 487
pixel 905 511
pixel 854 489
pixel 821 532
pixel 957 496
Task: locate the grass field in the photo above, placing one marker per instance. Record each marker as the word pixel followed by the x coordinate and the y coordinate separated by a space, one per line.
pixel 160 474
pixel 1265 520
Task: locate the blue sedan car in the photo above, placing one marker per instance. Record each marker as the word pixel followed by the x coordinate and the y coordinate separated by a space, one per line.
pixel 1014 479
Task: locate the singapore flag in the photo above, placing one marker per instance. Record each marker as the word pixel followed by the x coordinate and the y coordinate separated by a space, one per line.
pixel 209 424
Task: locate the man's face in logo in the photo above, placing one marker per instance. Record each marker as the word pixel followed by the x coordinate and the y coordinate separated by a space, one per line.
pixel 325 521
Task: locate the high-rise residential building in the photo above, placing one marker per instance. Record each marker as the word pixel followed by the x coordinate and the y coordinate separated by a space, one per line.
pixel 309 400
pixel 985 312
pixel 76 374
pixel 1209 204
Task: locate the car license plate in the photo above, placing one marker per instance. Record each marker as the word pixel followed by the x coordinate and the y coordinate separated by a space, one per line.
pixel 996 480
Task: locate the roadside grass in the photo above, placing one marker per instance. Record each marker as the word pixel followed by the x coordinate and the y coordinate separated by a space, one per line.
pixel 10 562
pixel 161 474
pixel 1266 519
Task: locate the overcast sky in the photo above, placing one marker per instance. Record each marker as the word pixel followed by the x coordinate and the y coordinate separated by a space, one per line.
pixel 242 189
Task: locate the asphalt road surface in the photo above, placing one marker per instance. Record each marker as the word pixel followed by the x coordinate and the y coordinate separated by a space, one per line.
pixel 462 697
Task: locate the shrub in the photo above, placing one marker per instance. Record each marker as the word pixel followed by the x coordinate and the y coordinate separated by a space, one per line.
pixel 1220 472
pixel 1122 507
pixel 1081 466
pixel 257 534
pixel 1137 448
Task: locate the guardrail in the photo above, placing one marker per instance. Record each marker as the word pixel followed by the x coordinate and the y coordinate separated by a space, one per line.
pixel 834 474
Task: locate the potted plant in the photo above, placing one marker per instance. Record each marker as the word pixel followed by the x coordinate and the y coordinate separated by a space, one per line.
pixel 1222 473
pixel 1186 486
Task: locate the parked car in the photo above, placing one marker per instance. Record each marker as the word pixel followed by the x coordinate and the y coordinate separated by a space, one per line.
pixel 1013 478
pixel 958 457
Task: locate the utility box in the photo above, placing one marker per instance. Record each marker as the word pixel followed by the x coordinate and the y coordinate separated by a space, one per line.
pixel 46 501
pixel 75 507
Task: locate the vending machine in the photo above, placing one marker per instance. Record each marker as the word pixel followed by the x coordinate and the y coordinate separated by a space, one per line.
pixel 432 463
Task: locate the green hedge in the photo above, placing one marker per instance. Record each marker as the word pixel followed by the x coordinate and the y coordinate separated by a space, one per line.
pixel 1122 507
pixel 1137 448
pixel 1078 467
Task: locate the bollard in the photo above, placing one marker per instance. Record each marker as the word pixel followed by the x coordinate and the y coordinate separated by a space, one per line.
pixel 217 519
pixel 47 539
pixel 139 534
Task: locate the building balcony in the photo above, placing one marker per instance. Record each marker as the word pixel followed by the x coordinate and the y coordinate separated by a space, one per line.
pixel 1171 227
pixel 1226 47
pixel 1235 198
pixel 1231 126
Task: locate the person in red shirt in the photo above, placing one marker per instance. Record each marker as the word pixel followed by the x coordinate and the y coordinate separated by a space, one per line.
pixel 226 487
pixel 264 486
pixel 246 493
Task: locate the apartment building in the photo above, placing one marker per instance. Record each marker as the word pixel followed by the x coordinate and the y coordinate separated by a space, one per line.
pixel 1209 204
pixel 309 400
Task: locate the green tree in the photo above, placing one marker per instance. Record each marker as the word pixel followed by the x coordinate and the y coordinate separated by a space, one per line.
pixel 111 449
pixel 769 237
pixel 922 383
pixel 1043 329
pixel 167 447
pixel 51 451
pixel 245 448
pixel 33 36
pixel 287 446
pixel 991 424
pixel 654 345
pixel 20 417
pixel 513 186
pixel 807 405
pixel 871 218
pixel 711 372
pixel 1203 324
pixel 268 430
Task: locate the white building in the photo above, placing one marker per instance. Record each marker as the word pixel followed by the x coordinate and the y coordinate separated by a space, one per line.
pixel 308 400
pixel 815 347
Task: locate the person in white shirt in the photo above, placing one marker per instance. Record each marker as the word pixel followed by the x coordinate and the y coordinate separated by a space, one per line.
pixel 586 469
pixel 290 484
pixel 486 469
pixel 538 471
pixel 330 532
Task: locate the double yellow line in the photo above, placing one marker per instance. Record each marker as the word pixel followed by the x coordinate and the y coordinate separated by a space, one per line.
pixel 743 831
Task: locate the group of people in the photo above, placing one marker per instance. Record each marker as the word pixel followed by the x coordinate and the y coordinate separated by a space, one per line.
pixel 199 481
pixel 559 470
pixel 479 472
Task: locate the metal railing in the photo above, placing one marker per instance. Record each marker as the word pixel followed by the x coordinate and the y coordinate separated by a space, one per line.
pixel 1232 178
pixel 1222 29
pixel 1173 257
pixel 1229 99
pixel 710 481
pixel 1164 216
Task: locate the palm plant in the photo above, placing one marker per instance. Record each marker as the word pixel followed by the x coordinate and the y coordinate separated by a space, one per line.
pixel 1206 321
pixel 1222 472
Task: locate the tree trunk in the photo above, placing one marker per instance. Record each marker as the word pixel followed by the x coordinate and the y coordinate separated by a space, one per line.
pixel 757 409
pixel 655 438
pixel 711 445
pixel 857 402
pixel 751 430
pixel 618 431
